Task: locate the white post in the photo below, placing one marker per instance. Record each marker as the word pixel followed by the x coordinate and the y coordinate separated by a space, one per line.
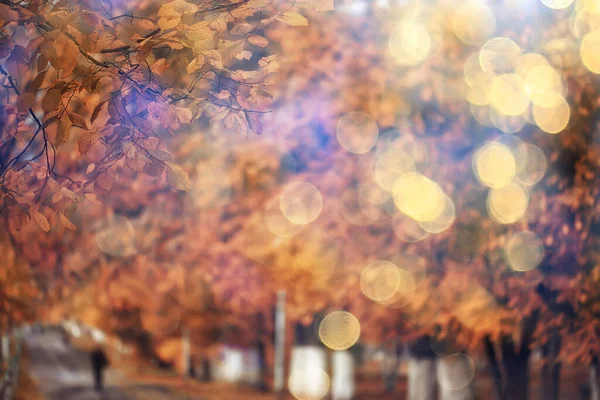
pixel 421 378
pixel 6 348
pixel 342 385
pixel 278 383
pixel 186 351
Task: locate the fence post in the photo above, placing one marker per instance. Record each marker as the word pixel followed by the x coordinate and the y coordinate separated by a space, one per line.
pixel 278 383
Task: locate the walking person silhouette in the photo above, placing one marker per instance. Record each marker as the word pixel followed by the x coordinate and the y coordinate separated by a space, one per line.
pixel 99 362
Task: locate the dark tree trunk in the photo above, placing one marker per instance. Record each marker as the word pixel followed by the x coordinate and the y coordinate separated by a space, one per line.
pixel 550 379
pixel 511 379
pixel 595 380
pixel 517 375
pixel 495 371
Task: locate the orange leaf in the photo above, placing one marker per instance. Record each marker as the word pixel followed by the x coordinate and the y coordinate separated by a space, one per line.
pixel 86 141
pixel 258 40
pixel 25 101
pixel 51 100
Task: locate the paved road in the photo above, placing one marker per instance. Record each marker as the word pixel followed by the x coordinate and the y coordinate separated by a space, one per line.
pixel 63 373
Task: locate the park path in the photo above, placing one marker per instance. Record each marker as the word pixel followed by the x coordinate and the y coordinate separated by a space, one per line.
pixel 63 373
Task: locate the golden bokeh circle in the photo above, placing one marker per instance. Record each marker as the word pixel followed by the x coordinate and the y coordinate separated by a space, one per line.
pixel 418 197
pixel 444 221
pixel 541 80
pixel 531 164
pixel 494 165
pixel 410 43
pixel 507 204
pixel 508 94
pixel 339 330
pixel 357 132
pixel 524 251
pixel 590 56
pixel 527 61
pixel 380 280
pixel 499 55
pixel 554 115
pixel 301 203
pixel 474 23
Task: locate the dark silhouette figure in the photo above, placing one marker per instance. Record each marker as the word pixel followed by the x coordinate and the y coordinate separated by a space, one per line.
pixel 99 363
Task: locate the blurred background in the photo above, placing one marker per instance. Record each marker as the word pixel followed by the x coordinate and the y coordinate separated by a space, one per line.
pixel 416 217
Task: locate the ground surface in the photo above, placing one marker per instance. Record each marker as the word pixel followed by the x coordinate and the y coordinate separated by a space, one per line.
pixel 63 373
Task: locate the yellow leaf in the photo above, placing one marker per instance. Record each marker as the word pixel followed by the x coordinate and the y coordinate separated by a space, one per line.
pixel 178 178
pixel 292 18
pixel 41 220
pixel 258 40
pixel 68 224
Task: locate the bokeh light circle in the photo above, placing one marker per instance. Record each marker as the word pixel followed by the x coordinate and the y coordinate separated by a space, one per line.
pixel 456 371
pixel 499 55
pixel 554 115
pixel 474 23
pixel 115 236
pixel 524 251
pixel 339 330
pixel 507 204
pixel 410 43
pixel 589 52
pixel 311 383
pixel 508 94
pixel 418 197
pixel 557 4
pixel 494 165
pixel 531 164
pixel 444 221
pixel 357 132
pixel 380 280
pixel 301 203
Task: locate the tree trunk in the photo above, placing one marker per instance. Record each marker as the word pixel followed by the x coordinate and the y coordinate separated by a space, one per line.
pixel 517 377
pixel 550 379
pixel 389 368
pixel 495 371
pixel 594 380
